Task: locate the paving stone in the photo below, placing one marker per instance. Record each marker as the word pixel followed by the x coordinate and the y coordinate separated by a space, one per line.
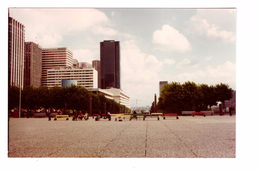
pixel 187 137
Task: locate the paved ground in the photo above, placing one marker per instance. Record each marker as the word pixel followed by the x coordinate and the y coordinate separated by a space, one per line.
pixel 187 137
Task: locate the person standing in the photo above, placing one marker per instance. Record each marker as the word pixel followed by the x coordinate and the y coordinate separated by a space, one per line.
pixel 80 115
pixel 76 115
pixel 86 116
pixel 230 110
pixel 49 113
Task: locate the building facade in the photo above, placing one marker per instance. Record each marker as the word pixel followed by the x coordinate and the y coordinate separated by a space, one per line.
pixel 32 64
pixel 85 64
pixel 86 77
pixel 110 64
pixel 119 96
pixel 16 40
pixel 96 65
pixel 107 94
pixel 55 57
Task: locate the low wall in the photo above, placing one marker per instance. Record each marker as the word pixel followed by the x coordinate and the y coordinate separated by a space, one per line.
pixel 207 113
pixel 43 115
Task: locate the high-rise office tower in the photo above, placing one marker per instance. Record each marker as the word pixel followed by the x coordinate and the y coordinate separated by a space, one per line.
pixel 110 64
pixel 32 64
pixel 161 84
pixel 96 65
pixel 16 39
pixel 55 57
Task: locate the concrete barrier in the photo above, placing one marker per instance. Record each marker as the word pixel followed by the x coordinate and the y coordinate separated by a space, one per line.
pixel 208 113
pixel 187 112
pixel 39 115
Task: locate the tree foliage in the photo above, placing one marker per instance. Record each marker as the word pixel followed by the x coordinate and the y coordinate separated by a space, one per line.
pixel 74 97
pixel 176 97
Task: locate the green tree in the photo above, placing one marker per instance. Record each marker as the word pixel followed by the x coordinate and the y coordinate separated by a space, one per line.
pixel 191 96
pixel 223 93
pixel 208 96
pixel 13 97
pixel 171 98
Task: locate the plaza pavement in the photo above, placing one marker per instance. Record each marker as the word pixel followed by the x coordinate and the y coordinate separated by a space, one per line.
pixel 186 137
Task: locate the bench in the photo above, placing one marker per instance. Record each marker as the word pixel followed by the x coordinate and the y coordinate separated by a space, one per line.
pixel 170 114
pixel 61 116
pixel 156 114
pixel 198 113
pixel 39 115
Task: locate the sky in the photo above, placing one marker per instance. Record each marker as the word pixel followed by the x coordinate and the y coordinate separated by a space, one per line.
pixel 156 44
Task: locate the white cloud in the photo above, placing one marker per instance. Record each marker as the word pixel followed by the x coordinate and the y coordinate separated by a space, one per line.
pixel 139 72
pixel 208 58
pixel 136 65
pixel 225 73
pixel 84 55
pixel 201 26
pixel 50 40
pixel 171 40
pixel 186 63
pixel 104 31
pixel 54 23
pixel 169 61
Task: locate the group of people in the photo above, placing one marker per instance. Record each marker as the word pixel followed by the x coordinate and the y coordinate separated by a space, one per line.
pixel 80 115
pixel 99 116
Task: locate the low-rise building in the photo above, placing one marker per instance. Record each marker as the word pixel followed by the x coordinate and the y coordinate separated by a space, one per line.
pixel 119 96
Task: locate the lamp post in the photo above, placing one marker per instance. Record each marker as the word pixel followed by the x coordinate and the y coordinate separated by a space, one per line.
pixel 105 108
pixel 90 106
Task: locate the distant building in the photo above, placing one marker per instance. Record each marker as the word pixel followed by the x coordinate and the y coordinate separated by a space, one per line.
pixel 86 77
pixel 107 94
pixel 110 64
pixel 96 65
pixel 75 63
pixel 55 57
pixel 85 65
pixel 161 84
pixel 32 64
pixel 16 40
pixel 119 96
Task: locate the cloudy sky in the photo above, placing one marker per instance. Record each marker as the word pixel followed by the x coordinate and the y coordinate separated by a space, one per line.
pixel 174 45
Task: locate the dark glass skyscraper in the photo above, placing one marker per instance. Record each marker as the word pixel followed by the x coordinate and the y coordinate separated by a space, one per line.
pixel 110 64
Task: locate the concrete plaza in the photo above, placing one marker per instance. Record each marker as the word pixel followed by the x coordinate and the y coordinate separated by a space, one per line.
pixel 186 137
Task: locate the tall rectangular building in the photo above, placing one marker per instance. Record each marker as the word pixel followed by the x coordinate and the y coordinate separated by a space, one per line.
pixel 96 65
pixel 55 57
pixel 16 39
pixel 110 64
pixel 32 64
pixel 161 84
